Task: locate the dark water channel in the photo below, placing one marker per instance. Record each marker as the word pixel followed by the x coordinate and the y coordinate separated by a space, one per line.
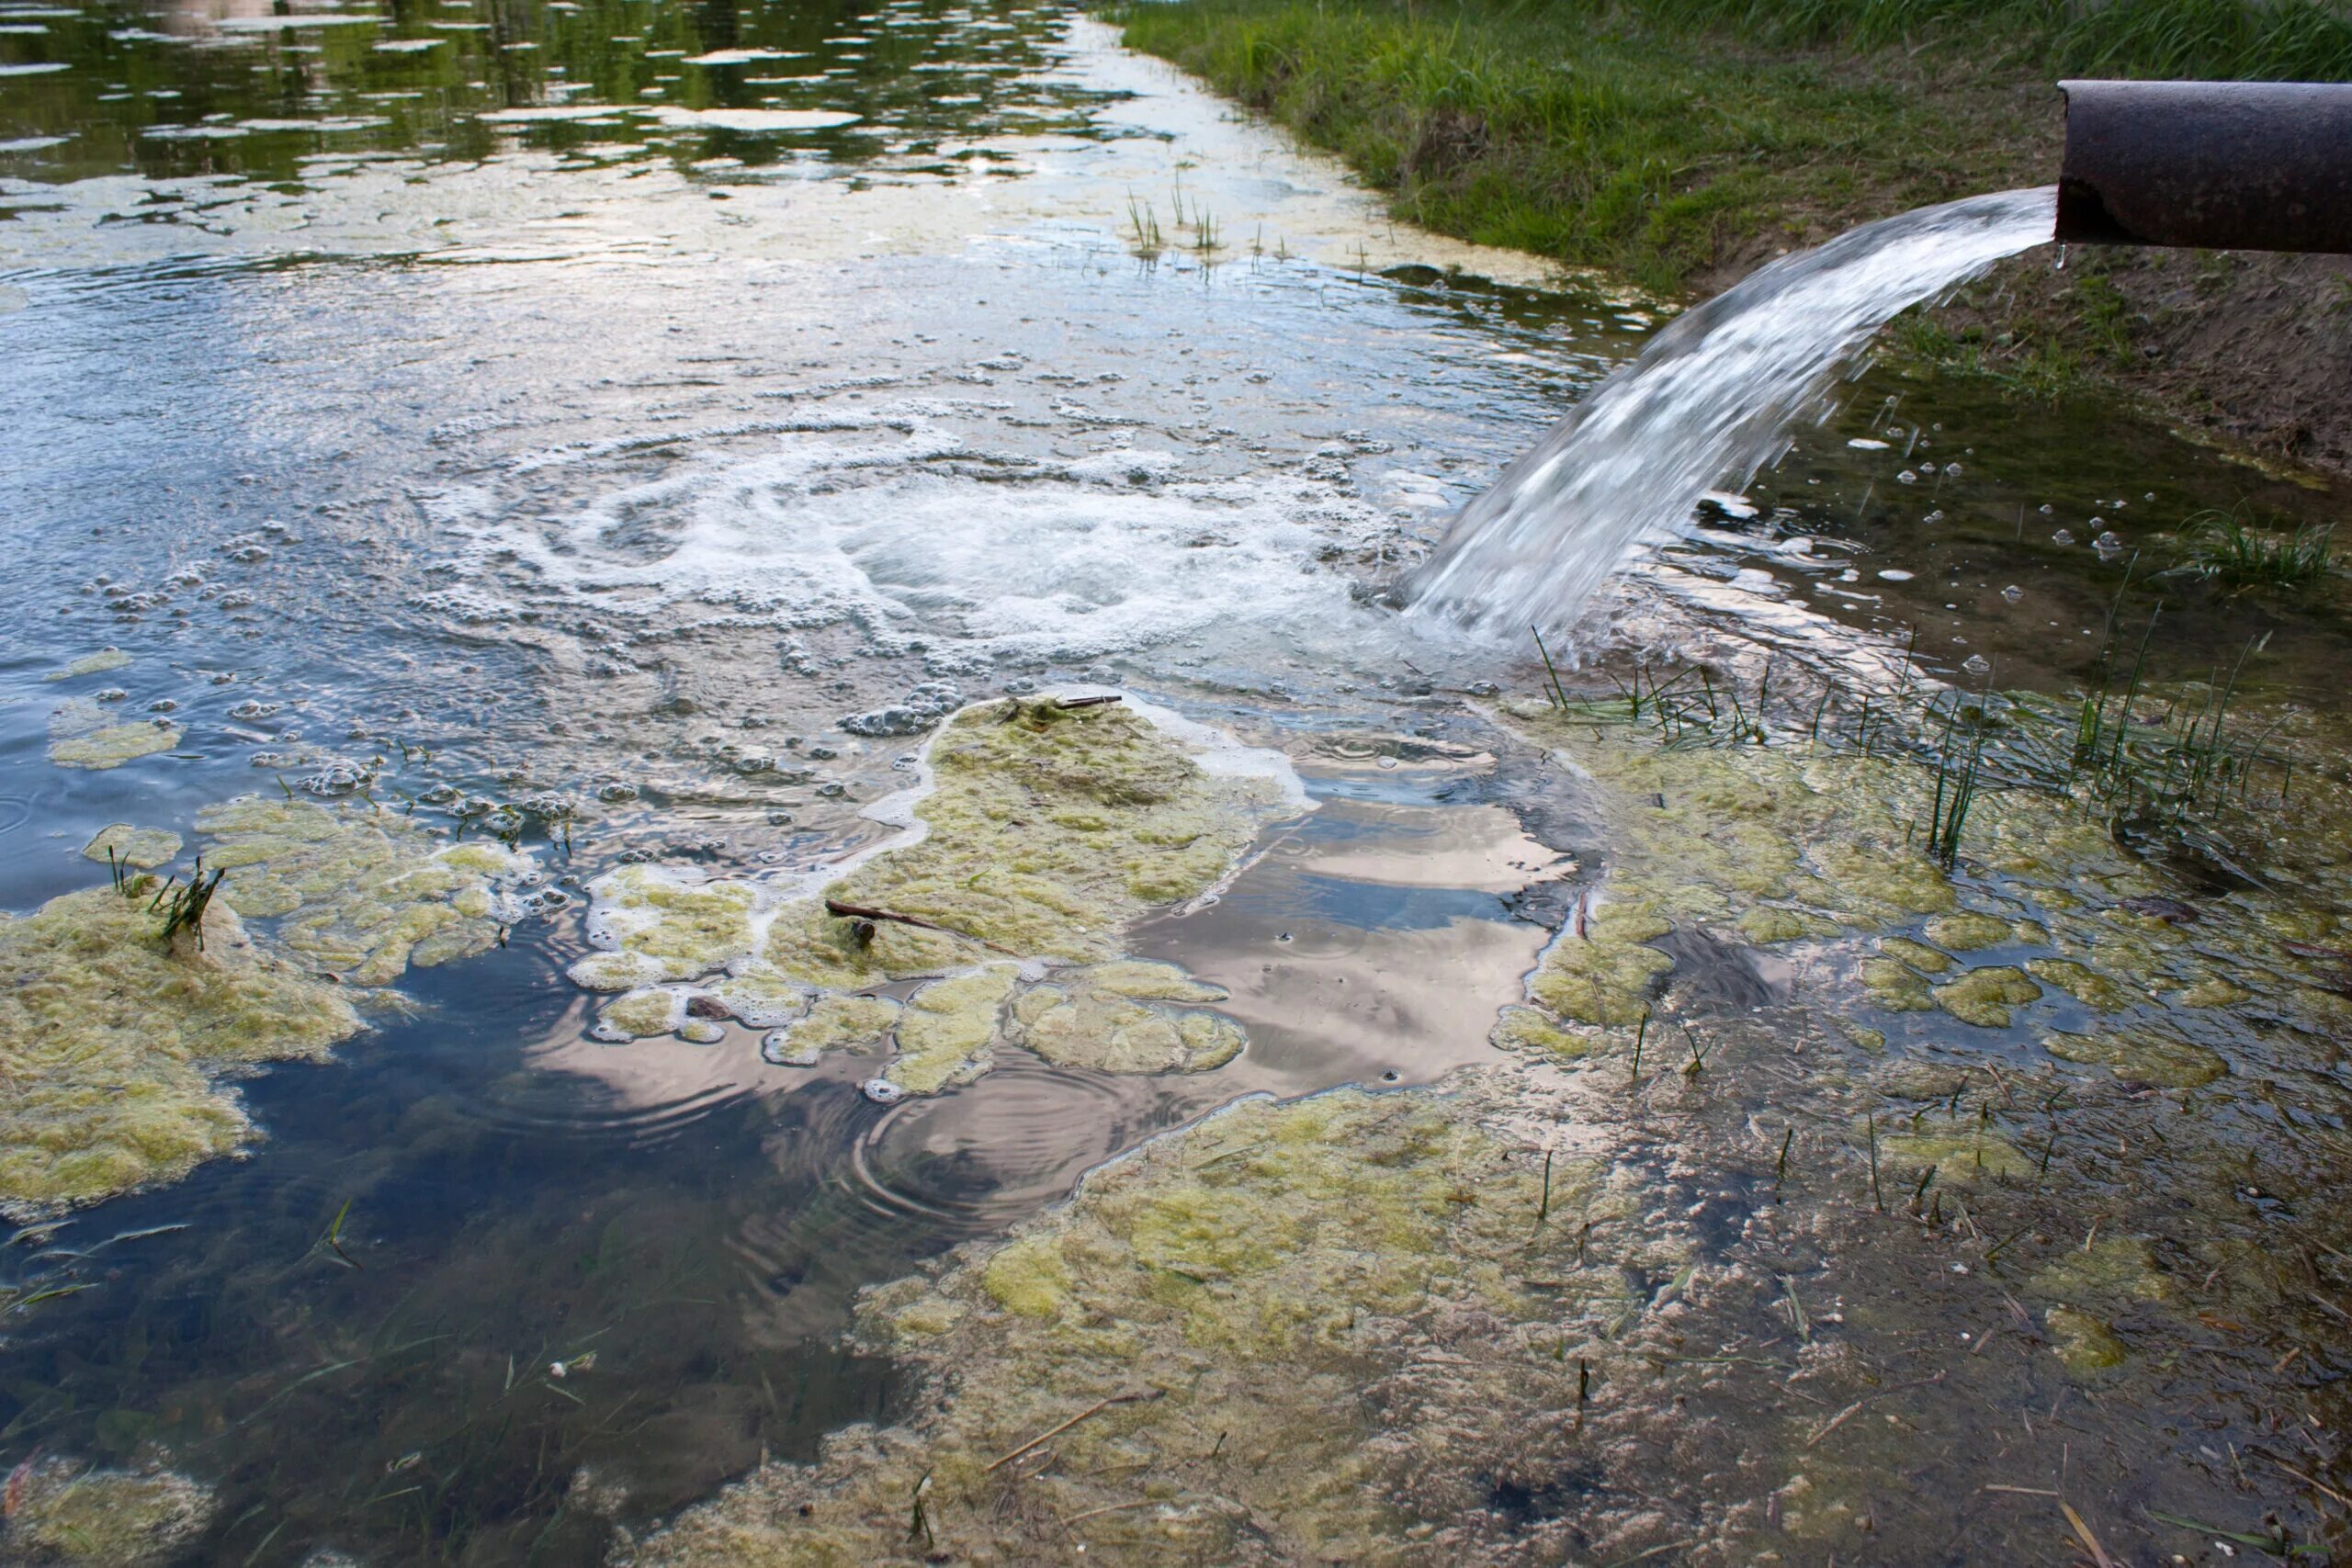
pixel 604 401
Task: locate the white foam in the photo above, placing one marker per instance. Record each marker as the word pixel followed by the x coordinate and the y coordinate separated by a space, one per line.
pixel 535 113
pixel 299 19
pixel 742 56
pixel 1219 755
pixel 757 121
pixel 1038 565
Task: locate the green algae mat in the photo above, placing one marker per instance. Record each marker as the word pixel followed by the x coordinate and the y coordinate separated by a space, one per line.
pixel 1047 830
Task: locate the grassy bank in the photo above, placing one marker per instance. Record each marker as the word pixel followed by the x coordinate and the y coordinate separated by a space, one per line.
pixel 1653 137
pixel 1680 142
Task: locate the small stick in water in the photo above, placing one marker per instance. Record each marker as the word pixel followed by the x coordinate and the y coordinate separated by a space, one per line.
pixel 865 912
pixel 1094 1409
pixel 1871 1119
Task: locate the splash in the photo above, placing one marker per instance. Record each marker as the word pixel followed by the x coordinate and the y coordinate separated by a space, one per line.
pixel 1707 403
pixel 889 521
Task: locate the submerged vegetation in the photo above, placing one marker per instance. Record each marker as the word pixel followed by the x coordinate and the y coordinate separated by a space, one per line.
pixel 1174 1363
pixel 59 1513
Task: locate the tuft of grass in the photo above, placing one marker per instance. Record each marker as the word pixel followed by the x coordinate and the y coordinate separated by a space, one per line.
pixel 1143 230
pixel 1956 786
pixel 2224 546
pixel 183 905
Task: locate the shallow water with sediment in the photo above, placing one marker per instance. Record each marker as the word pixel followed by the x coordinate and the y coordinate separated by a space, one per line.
pixel 540 501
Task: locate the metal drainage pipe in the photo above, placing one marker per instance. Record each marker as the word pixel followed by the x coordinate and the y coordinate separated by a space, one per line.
pixel 2223 166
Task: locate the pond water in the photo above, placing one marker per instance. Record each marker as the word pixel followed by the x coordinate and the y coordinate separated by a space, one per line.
pixel 626 427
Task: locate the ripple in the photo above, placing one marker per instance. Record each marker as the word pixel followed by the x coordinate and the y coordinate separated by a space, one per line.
pixel 976 1160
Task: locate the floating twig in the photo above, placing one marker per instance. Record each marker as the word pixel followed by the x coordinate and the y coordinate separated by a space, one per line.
pixel 1094 1409
pixel 1877 1199
pixel 1854 1409
pixel 2090 1541
pixel 866 912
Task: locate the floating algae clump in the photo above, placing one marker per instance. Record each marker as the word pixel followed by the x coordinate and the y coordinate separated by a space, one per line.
pixel 96 664
pixel 1115 1018
pixel 1984 997
pixel 946 1028
pixel 1969 931
pixel 1602 976
pixel 80 734
pixel 832 1023
pixel 363 893
pixel 665 926
pixel 2080 981
pixel 1918 955
pixel 1768 928
pixel 1047 830
pixel 62 1512
pixel 109 1038
pixel 141 849
pixel 2140 1056
pixel 1529 1030
pixel 643 1014
pixel 1892 986
pixel 1196 1332
pixel 1051 827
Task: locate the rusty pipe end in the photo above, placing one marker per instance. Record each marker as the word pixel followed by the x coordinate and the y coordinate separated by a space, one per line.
pixel 2220 165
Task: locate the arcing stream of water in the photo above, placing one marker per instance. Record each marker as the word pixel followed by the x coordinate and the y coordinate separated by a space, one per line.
pixel 1709 401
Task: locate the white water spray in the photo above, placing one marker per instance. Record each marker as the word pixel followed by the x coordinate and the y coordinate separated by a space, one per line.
pixel 1707 403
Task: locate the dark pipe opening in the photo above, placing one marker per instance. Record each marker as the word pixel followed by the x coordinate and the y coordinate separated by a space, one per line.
pixel 2223 166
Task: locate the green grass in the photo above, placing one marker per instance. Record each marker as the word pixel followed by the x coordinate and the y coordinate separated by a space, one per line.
pixel 1657 137
pixel 2215 39
pixel 2222 546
